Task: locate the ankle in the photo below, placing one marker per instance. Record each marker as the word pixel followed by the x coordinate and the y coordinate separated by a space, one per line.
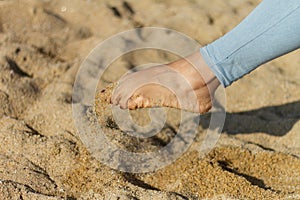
pixel 198 63
pixel 195 69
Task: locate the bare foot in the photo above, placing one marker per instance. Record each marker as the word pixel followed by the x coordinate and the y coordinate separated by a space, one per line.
pixel 163 85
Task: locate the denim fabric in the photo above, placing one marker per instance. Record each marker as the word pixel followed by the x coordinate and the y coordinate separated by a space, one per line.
pixel 271 30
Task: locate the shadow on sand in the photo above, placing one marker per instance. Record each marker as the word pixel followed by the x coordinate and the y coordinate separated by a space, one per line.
pixel 273 120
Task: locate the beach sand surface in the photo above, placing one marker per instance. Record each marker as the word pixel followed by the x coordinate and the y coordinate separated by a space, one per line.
pixel 43 44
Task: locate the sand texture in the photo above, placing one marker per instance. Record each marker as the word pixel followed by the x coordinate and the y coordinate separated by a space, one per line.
pixel 43 44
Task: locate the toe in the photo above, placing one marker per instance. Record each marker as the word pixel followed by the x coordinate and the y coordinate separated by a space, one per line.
pixel 115 98
pixel 205 107
pixel 136 101
pixel 123 103
pixel 119 95
pixel 131 104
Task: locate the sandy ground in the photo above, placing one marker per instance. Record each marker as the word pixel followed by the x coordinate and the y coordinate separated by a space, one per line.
pixel 43 44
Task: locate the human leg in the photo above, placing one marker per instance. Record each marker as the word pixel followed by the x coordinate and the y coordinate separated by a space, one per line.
pixel 271 30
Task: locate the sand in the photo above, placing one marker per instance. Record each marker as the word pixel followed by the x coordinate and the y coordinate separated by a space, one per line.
pixel 43 44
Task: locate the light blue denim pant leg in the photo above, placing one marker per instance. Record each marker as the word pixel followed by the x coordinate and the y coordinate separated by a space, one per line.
pixel 271 30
